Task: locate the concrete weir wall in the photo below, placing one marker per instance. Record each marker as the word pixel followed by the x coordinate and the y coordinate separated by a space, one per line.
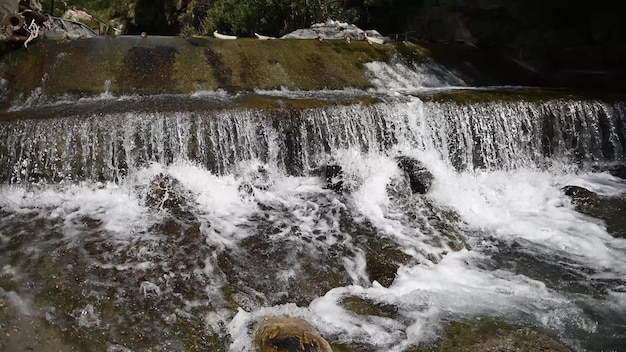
pixel 156 65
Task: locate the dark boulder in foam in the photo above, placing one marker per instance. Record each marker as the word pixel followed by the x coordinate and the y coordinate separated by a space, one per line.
pixel 333 176
pixel 581 197
pixel 166 193
pixel 609 209
pixel 419 177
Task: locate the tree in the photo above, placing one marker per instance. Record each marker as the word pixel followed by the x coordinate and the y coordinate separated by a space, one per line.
pixel 275 17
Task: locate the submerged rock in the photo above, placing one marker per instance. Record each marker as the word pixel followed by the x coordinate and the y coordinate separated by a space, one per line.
pixel 492 335
pixel 166 193
pixel 609 209
pixel 581 197
pixel 291 271
pixel 617 170
pixel 333 174
pixel 286 334
pixel 419 177
pixel 366 306
pixel 383 258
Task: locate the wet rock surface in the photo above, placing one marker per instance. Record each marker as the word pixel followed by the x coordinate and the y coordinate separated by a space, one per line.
pixel 419 177
pixel 165 193
pixel 617 170
pixel 333 175
pixel 609 209
pixel 493 335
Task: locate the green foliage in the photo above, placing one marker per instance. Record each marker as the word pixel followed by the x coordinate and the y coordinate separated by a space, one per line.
pixel 240 17
pixel 275 17
pixel 106 9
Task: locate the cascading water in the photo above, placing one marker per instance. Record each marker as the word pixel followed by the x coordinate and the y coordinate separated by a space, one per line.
pixel 473 136
pixel 179 230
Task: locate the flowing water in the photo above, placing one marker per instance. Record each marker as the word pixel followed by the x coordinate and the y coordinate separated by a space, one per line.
pixel 127 228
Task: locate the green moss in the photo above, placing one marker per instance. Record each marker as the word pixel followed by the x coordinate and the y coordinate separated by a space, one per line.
pixel 83 70
pixel 175 65
pixel 383 258
pixel 409 53
pixel 324 278
pixel 365 306
pixel 191 72
pixel 488 334
pixel 230 296
pixel 193 335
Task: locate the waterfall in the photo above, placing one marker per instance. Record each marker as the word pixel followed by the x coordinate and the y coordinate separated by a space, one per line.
pixel 490 135
pixel 380 213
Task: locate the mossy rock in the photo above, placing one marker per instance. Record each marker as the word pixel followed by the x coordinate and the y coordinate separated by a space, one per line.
pixel 254 274
pixel 64 284
pixel 366 306
pixel 383 259
pixel 487 334
pixel 512 95
pixel 175 65
pixel 609 209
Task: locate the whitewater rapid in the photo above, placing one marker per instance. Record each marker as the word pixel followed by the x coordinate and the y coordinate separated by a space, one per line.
pixel 250 212
pixel 497 209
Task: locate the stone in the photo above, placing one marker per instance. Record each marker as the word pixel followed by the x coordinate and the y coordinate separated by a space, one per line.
pixel 333 174
pixel 608 209
pixel 488 334
pixel 581 197
pixel 618 171
pixel 419 177
pixel 166 193
pixel 334 30
pixel 286 334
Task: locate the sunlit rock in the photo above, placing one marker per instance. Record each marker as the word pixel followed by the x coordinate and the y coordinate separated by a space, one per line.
pixel 286 334
pixel 336 30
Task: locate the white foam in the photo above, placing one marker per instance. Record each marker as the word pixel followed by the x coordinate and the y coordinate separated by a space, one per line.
pixel 530 206
pixel 399 77
pixel 116 206
pixel 87 317
pixel 431 295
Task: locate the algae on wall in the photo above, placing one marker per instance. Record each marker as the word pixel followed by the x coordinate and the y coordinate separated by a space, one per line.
pixel 176 65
